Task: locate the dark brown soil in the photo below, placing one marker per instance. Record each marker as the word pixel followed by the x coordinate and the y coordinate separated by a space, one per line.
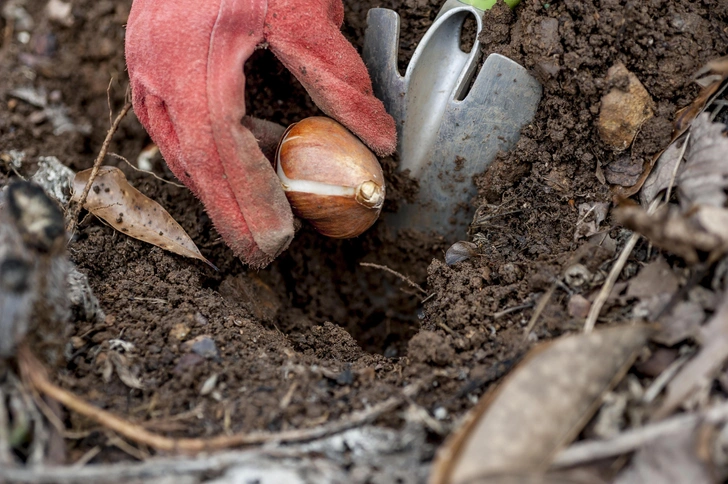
pixel 347 336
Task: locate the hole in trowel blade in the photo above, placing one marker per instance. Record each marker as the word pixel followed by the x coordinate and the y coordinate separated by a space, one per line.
pixel 468 33
pixel 468 36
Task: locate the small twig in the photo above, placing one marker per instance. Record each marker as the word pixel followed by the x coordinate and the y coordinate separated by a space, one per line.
pixel 6 456
pixel 86 458
pixel 446 328
pixel 119 157
pixel 417 412
pixel 393 272
pixel 73 215
pixel 664 378
pixel 108 99
pixel 158 468
pixel 125 447
pixel 428 298
pixel 155 300
pixel 589 451
pixel 514 309
pixel 36 376
pixel 539 309
pixel 675 168
pixel 606 289
pixel 614 273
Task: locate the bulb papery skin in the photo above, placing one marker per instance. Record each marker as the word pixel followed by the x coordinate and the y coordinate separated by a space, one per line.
pixel 331 178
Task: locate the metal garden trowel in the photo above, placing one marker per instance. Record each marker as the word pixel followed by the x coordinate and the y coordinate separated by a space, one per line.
pixel 450 125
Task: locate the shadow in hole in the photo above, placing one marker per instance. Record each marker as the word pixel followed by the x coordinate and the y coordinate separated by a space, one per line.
pixel 323 279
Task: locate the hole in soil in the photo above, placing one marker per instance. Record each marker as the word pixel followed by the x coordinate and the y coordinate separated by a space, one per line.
pixel 323 279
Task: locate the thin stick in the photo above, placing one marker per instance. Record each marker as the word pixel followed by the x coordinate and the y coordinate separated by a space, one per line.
pixel 539 309
pixel 108 99
pixel 614 273
pixel 675 168
pixel 119 157
pixel 629 441
pixel 35 375
pixel 514 309
pixel 73 216
pixel 160 467
pixel 664 378
pixel 609 283
pixel 6 456
pixel 86 458
pixel 393 272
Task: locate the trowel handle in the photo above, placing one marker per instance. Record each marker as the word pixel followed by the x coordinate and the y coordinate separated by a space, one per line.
pixel 481 5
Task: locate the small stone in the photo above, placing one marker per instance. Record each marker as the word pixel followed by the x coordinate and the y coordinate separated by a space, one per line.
pixel 440 413
pixel 510 273
pixel 61 12
pixel 578 306
pixel 200 320
pixel 623 109
pixel 577 276
pixel 460 251
pixel 209 385
pixel 186 362
pixel 205 347
pixel 346 377
pixel 37 117
pixel 179 331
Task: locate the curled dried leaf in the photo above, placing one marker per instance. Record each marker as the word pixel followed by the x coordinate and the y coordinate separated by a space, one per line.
pixel 701 369
pixel 460 251
pixel 710 78
pixel 703 179
pixel 129 211
pixel 672 231
pixel 542 405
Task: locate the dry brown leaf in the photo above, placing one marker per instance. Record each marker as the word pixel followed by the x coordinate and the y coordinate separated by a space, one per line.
pixel 701 182
pixel 122 367
pixel 655 278
pixel 714 73
pixel 671 231
pixel 704 178
pixel 663 173
pixel 129 211
pixel 701 370
pixel 710 77
pixel 671 459
pixel 591 215
pixel 571 476
pixel 679 324
pixel 540 407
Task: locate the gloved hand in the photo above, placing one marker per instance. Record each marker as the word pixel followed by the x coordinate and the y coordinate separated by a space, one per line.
pixel 185 61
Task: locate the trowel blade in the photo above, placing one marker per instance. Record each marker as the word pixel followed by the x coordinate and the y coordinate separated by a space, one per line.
pixel 446 136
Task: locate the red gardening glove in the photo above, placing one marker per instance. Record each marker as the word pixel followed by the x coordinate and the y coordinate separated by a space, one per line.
pixel 185 61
